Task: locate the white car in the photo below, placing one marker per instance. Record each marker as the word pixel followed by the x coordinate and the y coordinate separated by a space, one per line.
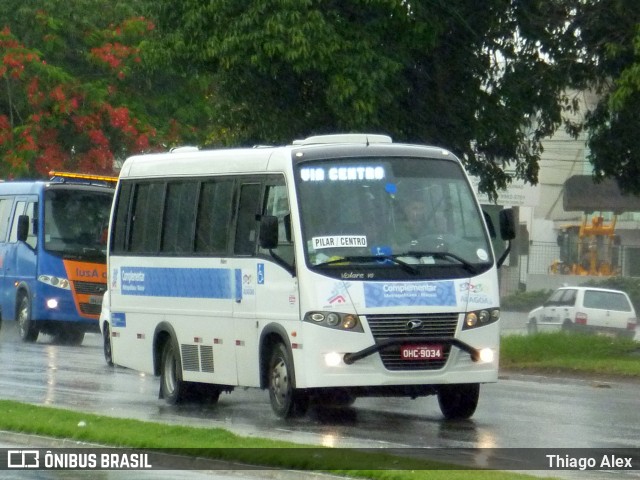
pixel 585 308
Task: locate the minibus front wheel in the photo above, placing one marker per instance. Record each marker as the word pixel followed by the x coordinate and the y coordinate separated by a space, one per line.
pixel 286 401
pixel 28 329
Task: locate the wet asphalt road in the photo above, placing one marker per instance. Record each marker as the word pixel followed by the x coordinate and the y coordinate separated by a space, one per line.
pixel 518 411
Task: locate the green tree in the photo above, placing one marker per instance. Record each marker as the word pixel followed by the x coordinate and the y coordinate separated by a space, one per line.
pixel 82 86
pixel 484 81
pixel 610 37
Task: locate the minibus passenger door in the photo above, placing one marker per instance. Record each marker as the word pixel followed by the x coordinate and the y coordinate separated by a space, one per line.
pixel 244 265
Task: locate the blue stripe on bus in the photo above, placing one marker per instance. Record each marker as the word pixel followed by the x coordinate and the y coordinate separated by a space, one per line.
pixel 179 282
pixel 434 294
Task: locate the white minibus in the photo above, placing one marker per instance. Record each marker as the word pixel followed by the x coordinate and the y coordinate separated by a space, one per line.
pixel 336 267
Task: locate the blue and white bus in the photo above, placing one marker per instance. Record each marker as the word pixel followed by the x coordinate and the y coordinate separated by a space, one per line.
pixel 336 267
pixel 53 237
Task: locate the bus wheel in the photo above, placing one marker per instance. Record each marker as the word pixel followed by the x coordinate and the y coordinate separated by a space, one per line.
pixel 106 345
pixel 172 388
pixel 285 400
pixel 28 329
pixel 458 401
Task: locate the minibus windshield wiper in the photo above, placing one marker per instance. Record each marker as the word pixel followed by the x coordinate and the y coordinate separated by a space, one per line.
pixel 470 267
pixel 371 258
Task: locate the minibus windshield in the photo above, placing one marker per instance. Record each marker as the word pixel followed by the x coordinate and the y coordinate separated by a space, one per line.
pixel 400 213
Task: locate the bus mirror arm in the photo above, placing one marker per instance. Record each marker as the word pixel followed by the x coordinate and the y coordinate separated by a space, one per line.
pixel 269 240
pixel 350 358
pixel 504 255
pixel 283 263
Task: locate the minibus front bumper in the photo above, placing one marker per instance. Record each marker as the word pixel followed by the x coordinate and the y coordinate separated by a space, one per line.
pixel 350 358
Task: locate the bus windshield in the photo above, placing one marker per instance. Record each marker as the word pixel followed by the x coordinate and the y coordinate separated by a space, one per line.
pixel 395 213
pixel 76 222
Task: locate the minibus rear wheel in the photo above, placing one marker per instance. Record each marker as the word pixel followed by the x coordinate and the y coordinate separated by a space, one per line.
pixel 106 344
pixel 28 329
pixel 172 388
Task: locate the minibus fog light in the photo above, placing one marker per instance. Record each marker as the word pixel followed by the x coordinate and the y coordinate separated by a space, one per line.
pixel 471 319
pixel 52 303
pixel 332 359
pixel 486 355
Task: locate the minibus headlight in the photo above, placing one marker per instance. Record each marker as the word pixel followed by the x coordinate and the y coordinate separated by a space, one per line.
pixel 480 318
pixel 349 322
pixel 471 320
pixel 335 320
pixel 55 281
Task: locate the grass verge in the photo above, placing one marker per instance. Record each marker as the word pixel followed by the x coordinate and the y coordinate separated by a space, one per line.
pixel 221 444
pixel 561 352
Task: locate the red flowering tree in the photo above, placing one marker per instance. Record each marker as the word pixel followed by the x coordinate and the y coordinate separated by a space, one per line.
pixel 71 113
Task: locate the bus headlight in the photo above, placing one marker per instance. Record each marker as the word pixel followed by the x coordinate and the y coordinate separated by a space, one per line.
pixel 336 320
pixel 480 318
pixel 55 281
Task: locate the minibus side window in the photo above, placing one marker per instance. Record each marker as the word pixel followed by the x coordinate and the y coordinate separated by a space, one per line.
pixel 247 226
pixel 214 216
pixel 5 214
pixel 147 217
pixel 179 218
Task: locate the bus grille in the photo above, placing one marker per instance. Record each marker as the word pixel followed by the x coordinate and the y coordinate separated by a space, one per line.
pixel 436 325
pixel 93 289
pixel 90 309
pixel 90 288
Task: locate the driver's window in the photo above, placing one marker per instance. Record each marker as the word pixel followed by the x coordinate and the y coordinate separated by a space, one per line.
pixel 32 235
pixel 277 205
pixel 19 210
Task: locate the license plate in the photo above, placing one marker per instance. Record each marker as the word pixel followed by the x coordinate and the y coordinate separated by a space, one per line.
pixel 95 300
pixel 421 352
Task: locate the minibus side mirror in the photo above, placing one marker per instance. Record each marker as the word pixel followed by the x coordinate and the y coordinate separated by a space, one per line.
pixel 268 232
pixel 507 232
pixel 507 224
pixel 23 228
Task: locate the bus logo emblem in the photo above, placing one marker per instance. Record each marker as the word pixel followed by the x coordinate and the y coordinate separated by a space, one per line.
pixel 414 324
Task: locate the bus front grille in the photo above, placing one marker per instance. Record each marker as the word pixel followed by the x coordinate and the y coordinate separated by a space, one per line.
pixel 90 288
pixel 95 291
pixel 90 309
pixel 436 325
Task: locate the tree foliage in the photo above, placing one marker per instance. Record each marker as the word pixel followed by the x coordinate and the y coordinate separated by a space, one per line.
pixel 87 81
pixel 485 82
pixel 77 87
pixel 610 38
